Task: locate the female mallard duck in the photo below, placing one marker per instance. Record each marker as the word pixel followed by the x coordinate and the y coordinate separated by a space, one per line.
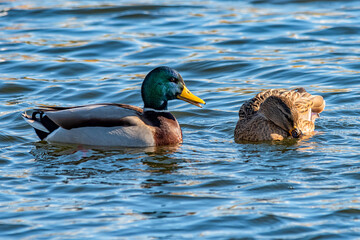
pixel 276 114
pixel 119 124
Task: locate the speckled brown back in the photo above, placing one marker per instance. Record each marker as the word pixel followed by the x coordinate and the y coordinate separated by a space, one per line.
pixel 253 126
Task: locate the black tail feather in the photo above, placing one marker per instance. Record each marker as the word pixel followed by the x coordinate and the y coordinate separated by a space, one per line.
pixel 39 116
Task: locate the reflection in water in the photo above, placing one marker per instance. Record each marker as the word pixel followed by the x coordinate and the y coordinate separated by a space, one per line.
pixel 66 52
pixel 78 161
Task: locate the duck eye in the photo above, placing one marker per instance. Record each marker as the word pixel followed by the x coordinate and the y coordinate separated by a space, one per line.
pixel 172 79
pixel 296 133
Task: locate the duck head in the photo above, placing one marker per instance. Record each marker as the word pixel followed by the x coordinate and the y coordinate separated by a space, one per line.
pixel 163 84
pixel 282 113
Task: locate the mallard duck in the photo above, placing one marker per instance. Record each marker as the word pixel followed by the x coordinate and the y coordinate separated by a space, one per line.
pixel 111 124
pixel 277 114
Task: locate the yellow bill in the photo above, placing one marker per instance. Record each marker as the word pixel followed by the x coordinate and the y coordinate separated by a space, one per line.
pixel 187 96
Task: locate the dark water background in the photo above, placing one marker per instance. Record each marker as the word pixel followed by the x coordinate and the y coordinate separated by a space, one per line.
pixel 78 52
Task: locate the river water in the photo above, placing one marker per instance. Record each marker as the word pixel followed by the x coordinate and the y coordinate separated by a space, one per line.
pixel 69 53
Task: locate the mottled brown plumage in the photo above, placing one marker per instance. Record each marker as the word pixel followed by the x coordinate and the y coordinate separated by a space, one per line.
pixel 276 114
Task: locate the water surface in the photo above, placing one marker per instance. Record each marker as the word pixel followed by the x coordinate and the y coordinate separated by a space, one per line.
pixel 78 52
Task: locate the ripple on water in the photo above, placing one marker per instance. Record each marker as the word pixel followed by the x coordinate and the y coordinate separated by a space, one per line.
pixel 72 53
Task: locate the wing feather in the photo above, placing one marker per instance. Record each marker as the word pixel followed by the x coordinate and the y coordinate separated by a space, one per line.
pixel 96 115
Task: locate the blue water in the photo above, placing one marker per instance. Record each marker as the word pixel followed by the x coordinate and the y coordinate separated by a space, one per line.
pixel 69 53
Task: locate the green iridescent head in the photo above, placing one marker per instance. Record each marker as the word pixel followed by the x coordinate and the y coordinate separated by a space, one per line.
pixel 163 84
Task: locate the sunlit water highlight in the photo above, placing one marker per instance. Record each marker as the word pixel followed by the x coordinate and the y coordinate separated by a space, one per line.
pixel 79 52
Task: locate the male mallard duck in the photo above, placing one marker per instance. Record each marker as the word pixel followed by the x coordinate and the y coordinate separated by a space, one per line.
pixel 276 114
pixel 119 124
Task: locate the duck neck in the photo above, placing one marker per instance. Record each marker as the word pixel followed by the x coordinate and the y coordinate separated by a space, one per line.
pixel 162 105
pixel 152 96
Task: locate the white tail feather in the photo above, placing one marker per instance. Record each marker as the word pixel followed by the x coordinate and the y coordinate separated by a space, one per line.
pixel 35 124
